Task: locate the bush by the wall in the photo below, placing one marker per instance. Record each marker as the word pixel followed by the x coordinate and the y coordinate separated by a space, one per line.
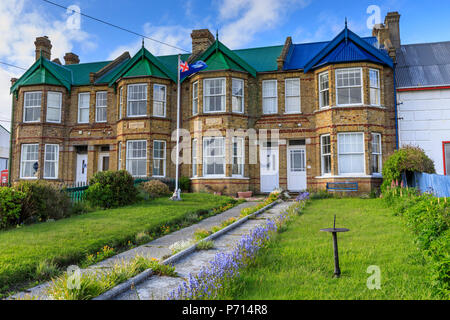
pixel 110 189
pixel 10 206
pixel 155 188
pixel 429 218
pixel 407 159
pixel 43 201
pixel 185 184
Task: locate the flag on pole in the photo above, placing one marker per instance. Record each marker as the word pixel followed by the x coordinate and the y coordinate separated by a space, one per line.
pixel 188 69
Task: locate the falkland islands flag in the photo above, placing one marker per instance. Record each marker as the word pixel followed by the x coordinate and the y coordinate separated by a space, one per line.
pixel 188 69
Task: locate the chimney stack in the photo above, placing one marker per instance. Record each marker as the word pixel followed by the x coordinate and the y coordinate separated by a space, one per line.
pixel 392 23
pixel 44 47
pixel 71 58
pixel 201 40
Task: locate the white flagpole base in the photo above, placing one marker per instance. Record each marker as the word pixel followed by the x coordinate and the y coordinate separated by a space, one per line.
pixel 176 195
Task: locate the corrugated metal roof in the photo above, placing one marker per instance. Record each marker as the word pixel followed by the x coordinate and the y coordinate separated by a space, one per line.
pixel 423 65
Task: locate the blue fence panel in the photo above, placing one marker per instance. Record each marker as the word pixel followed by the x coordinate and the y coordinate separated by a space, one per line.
pixel 433 183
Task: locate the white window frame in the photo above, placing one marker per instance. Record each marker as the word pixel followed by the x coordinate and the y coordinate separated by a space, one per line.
pixel 322 90
pixel 337 87
pixel 59 94
pixel 269 97
pixel 155 100
pixel 194 158
pixel 159 158
pixel 56 161
pixel 242 164
pixel 133 100
pixel 379 154
pixel 22 161
pixel 79 105
pixel 128 158
pixel 195 99
pixel 31 107
pixel 99 108
pixel 377 88
pixel 323 155
pixel 286 96
pixel 205 156
pixel 120 103
pixel 241 110
pixel 363 153
pixel 119 156
pixel 223 95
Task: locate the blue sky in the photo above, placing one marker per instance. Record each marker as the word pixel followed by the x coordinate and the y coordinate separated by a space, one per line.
pixel 241 23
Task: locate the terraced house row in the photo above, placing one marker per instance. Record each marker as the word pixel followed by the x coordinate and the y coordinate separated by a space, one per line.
pixel 332 104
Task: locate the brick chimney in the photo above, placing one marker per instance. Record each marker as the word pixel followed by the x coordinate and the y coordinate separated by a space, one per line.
pixel 71 58
pixel 392 23
pixel 388 34
pixel 44 46
pixel 201 40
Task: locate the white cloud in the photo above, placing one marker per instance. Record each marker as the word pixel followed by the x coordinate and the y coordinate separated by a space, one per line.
pixel 21 21
pixel 243 19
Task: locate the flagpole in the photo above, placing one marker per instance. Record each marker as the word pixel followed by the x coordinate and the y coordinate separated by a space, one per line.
pixel 176 195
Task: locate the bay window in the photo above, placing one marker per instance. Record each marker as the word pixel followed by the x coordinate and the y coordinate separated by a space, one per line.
pixel 324 90
pixel 54 102
pixel 214 95
pixel 83 107
pixel 325 148
pixel 51 159
pixel 119 156
pixel 137 158
pixel 237 168
pixel 29 161
pixel 237 96
pixel 137 100
pixel 159 158
pixel 159 100
pixel 32 106
pixel 375 91
pixel 195 98
pixel 292 96
pixel 351 153
pixel 376 160
pixel 100 106
pixel 214 156
pixel 269 96
pixel 349 86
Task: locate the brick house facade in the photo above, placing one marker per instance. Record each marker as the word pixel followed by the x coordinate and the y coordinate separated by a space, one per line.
pixel 330 103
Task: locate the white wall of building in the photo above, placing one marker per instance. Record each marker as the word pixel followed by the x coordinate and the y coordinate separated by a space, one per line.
pixel 424 121
pixel 4 147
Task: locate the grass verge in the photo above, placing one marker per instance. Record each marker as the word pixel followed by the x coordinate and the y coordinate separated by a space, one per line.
pixel 298 264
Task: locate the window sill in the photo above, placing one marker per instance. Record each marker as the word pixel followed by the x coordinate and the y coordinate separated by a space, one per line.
pixel 356 176
pixel 288 113
pixel 219 177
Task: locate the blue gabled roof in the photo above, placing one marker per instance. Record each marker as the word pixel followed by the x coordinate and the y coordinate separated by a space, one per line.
pixel 347 51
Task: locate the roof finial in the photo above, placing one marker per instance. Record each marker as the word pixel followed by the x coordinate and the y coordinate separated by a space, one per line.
pixel 345 22
pixel 346 30
pixel 143 45
pixel 217 34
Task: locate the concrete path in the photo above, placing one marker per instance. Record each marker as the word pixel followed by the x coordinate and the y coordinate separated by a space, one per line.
pixel 158 288
pixel 158 248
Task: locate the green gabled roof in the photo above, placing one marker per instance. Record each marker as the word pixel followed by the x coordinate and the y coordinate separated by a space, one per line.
pixel 262 59
pixel 81 71
pixel 142 64
pixel 222 58
pixel 44 71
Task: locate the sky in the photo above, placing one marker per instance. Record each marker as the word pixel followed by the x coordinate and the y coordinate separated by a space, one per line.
pixel 240 24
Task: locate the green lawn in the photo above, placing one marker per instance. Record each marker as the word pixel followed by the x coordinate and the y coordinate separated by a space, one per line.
pixel 69 240
pixel 299 264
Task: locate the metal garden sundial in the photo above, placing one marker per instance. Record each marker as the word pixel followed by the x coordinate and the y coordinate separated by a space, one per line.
pixel 335 231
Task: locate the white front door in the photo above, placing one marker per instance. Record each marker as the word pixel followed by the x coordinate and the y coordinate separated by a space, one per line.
pixel 296 168
pixel 82 168
pixel 269 174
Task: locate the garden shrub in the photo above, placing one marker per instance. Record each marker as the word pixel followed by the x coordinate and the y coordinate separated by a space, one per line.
pixel 408 159
pixel 110 189
pixel 155 188
pixel 429 219
pixel 185 184
pixel 43 201
pixel 10 206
